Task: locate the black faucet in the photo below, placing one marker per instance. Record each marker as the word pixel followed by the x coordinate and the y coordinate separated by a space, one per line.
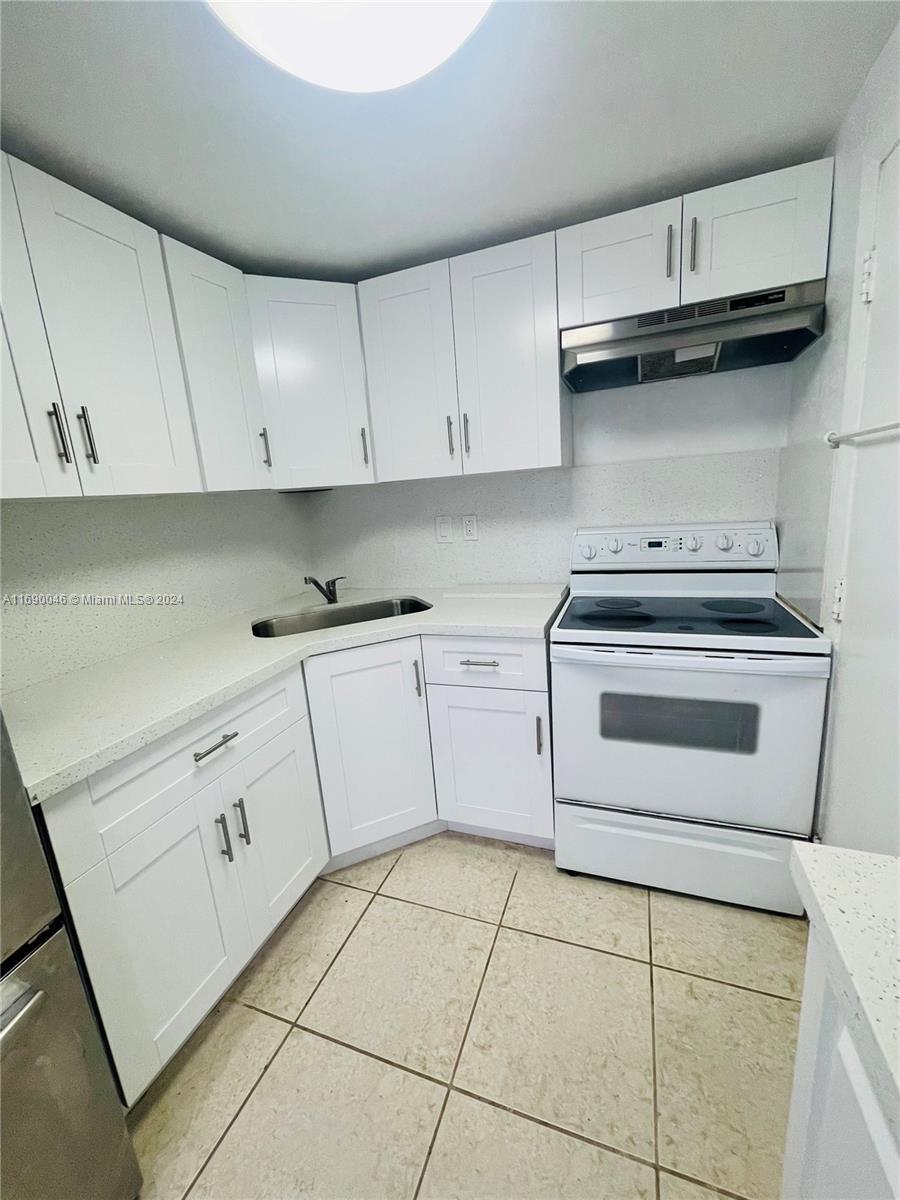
pixel 328 588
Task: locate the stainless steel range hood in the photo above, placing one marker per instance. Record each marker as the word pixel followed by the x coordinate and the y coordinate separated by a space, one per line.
pixel 749 330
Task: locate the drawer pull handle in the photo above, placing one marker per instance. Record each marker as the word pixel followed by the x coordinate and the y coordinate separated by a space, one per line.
pixel 418 677
pixel 228 852
pixel 244 831
pixel 199 755
pixel 267 456
pixel 479 662
pixel 55 412
pixel 539 735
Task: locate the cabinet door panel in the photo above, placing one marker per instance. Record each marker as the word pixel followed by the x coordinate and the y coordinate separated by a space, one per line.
pixel 620 265
pixel 507 355
pixel 34 445
pixel 370 723
pixel 274 798
pixel 210 302
pixel 103 294
pixel 492 758
pixel 310 365
pixel 407 327
pixel 764 232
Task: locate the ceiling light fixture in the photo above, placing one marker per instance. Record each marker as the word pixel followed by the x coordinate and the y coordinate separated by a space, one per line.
pixel 353 47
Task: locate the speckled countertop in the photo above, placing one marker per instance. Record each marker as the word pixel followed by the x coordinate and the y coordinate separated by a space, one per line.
pixel 65 728
pixel 852 900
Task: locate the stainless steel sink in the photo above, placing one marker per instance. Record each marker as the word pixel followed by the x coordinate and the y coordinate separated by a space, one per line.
pixel 328 615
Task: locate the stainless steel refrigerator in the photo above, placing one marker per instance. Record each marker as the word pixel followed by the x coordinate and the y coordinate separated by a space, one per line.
pixel 62 1132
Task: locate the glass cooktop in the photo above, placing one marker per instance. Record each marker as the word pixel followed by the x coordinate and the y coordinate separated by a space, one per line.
pixel 761 617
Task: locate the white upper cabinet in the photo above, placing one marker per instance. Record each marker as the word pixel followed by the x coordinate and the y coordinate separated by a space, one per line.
pixel 102 289
pixel 310 365
pixel 213 322
pixel 36 448
pixel 507 356
pixel 620 265
pixel 407 326
pixel 764 232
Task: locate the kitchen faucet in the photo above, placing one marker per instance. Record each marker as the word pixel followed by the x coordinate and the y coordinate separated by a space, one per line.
pixel 328 588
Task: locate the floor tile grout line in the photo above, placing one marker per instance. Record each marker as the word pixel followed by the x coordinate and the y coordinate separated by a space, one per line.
pixel 220 1139
pixel 740 987
pixel 653 1046
pixel 336 956
pixel 263 1012
pixel 487 963
pixel 549 937
pixel 388 1062
pixel 713 1188
pixel 416 903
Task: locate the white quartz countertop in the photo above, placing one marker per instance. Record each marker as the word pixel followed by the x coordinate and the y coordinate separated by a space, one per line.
pixel 852 900
pixel 65 728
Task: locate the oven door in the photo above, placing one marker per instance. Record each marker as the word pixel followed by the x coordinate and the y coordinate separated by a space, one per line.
pixel 734 739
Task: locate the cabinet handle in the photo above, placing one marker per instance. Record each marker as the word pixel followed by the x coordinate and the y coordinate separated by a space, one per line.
pixel 55 412
pixel 199 755
pixel 450 435
pixel 267 456
pixel 478 662
pixel 669 252
pixel 418 677
pixel 89 435
pixel 539 735
pixel 362 434
pixel 244 831
pixel 466 446
pixel 693 243
pixel 228 852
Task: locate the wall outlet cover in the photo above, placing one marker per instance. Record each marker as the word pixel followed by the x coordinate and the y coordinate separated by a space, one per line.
pixel 470 529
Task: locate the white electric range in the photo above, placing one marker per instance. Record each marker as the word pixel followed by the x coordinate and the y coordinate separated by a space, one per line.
pixel 688 710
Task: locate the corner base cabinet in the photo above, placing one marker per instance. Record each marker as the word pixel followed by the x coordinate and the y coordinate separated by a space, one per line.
pixel 370 723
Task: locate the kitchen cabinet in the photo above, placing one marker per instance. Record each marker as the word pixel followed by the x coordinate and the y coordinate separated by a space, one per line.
pixel 102 288
pixel 370 723
pixel 213 323
pixel 37 457
pixel 491 750
pixel 840 1145
pixel 764 232
pixel 407 326
pixel 620 265
pixel 310 365
pixel 507 357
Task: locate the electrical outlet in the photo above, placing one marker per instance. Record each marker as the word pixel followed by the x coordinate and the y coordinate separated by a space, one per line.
pixel 470 529
pixel 443 529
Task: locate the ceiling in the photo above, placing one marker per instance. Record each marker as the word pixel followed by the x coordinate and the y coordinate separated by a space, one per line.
pixel 550 113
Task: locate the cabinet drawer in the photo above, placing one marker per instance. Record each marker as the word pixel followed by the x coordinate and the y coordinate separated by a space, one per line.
pixel 124 799
pixel 487 662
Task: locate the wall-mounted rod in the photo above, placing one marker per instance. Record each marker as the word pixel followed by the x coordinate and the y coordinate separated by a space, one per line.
pixel 835 440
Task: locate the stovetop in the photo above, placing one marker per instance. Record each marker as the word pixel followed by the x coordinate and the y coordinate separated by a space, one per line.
pixel 717 617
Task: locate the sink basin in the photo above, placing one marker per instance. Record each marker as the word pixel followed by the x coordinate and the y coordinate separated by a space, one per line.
pixel 329 615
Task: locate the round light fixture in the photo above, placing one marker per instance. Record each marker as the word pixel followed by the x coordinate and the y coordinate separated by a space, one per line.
pixel 353 47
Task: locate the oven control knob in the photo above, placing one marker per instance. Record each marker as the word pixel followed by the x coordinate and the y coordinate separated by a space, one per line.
pixel 755 547
pixel 694 543
pixel 588 551
pixel 614 545
pixel 724 541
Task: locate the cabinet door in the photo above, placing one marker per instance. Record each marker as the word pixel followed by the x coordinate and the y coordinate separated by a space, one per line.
pixel 370 723
pixel 310 365
pixel 163 929
pixel 37 449
pixel 407 327
pixel 273 797
pixel 492 758
pixel 764 232
pixel 103 294
pixel 620 265
pixel 507 355
pixel 210 302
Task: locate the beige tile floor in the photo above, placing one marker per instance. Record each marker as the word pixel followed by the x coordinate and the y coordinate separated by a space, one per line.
pixel 461 1020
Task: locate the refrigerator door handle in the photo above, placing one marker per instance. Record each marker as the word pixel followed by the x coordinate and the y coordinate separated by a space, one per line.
pixel 25 1012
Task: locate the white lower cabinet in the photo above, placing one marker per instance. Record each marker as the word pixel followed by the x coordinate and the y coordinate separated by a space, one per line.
pixel 491 751
pixel 370 722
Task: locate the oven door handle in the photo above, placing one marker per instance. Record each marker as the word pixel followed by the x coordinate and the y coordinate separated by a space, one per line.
pixel 812 667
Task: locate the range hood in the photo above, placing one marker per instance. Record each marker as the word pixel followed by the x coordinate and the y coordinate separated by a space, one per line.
pixel 749 330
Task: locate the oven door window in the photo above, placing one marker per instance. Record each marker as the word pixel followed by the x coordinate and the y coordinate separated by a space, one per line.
pixel 671 721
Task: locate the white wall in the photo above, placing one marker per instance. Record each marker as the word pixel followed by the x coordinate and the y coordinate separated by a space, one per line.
pixel 818 376
pixel 225 552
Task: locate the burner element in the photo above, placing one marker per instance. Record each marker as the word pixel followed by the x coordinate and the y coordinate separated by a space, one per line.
pixel 614 602
pixel 734 606
pixel 614 621
pixel 748 625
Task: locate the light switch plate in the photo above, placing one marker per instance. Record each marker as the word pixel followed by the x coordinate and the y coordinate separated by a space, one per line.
pixel 443 529
pixel 470 529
